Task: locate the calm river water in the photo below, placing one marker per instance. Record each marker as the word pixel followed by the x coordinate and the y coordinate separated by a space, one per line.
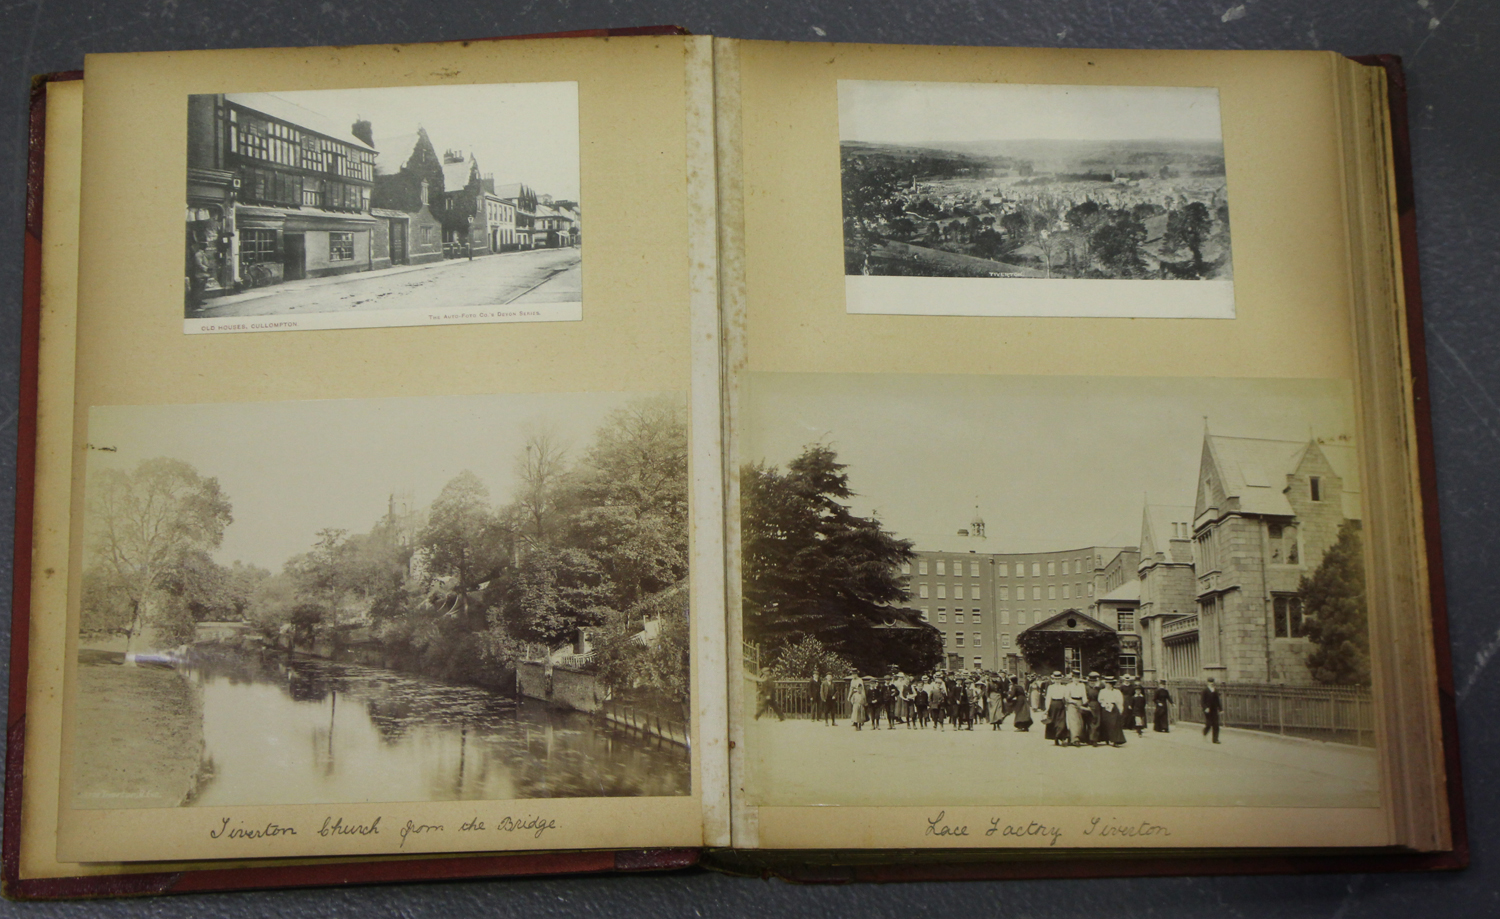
pixel 281 730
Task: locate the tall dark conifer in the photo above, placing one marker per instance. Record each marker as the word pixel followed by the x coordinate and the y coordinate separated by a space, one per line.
pixel 811 567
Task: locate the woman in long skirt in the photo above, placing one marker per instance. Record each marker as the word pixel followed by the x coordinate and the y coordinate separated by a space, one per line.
pixel 996 702
pixel 1022 707
pixel 858 702
pixel 1162 698
pixel 1111 714
pixel 1078 700
pixel 1057 707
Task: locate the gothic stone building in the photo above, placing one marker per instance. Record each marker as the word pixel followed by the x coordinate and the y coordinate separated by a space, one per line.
pixel 1266 512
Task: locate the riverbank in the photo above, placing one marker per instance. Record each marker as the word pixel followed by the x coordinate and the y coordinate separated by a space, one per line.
pixel 139 737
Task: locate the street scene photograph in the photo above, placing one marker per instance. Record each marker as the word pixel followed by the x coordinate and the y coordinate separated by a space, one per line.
pixel 375 207
pixel 970 590
pixel 998 181
pixel 306 603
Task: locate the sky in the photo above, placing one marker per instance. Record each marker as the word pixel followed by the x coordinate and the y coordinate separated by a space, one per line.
pixel 879 111
pixel 293 468
pixel 1053 463
pixel 520 132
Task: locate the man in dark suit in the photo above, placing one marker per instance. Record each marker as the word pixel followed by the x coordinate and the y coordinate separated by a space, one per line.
pixel 1213 704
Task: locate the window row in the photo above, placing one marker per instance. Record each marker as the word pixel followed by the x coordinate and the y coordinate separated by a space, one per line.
pixel 942 591
pixel 941 567
pixel 253 136
pixel 975 616
pixel 272 186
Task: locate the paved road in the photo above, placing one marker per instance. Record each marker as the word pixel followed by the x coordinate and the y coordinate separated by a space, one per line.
pixel 799 762
pixel 538 276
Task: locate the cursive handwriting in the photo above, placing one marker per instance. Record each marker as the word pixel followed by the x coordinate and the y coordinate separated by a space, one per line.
pixel 471 825
pixel 936 827
pixel 242 832
pixel 416 829
pixel 336 827
pixel 1024 830
pixel 1099 827
pixel 517 824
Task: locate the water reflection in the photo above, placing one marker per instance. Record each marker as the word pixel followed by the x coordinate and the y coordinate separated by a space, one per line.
pixel 300 731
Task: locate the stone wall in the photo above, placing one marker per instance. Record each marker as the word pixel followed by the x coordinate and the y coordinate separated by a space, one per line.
pixel 567 688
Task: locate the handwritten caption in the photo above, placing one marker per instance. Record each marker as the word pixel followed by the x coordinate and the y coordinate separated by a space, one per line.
pixel 1044 833
pixel 333 826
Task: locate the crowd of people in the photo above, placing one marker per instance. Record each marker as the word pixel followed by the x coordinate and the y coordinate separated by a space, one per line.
pixel 1075 710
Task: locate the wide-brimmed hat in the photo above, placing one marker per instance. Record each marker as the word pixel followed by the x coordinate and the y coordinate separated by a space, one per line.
pixel 1057 673
pixel 1093 674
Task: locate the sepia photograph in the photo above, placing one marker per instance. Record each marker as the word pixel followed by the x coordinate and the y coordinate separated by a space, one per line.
pixel 384 600
pixel 1054 591
pixel 412 205
pixel 998 183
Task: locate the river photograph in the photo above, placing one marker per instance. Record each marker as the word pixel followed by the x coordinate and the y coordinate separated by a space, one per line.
pixel 324 603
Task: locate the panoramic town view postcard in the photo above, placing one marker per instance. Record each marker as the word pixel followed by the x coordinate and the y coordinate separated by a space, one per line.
pixel 1034 200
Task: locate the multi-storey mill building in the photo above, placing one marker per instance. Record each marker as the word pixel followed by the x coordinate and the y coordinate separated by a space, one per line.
pixel 982 599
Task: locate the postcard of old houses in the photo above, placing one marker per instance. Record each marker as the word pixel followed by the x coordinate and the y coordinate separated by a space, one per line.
pixel 414 205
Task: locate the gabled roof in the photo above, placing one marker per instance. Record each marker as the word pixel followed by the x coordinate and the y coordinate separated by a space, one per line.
pixel 1254 470
pixel 1157 532
pixel 512 190
pixel 456 175
pixel 393 152
pixel 284 109
pixel 1086 623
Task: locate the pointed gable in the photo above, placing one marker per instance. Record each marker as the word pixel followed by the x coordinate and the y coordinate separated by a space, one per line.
pixel 1247 474
pixel 1166 530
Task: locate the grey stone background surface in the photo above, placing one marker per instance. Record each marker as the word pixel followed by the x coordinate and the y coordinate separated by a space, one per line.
pixel 1454 78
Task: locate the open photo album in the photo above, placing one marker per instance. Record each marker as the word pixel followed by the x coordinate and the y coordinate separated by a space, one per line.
pixel 623 452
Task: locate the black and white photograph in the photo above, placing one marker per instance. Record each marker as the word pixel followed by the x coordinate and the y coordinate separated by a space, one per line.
pixel 309 603
pixel 999 183
pixel 418 205
pixel 1054 591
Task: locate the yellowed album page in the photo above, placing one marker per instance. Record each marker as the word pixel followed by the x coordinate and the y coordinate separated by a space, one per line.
pixel 1044 477
pixel 388 479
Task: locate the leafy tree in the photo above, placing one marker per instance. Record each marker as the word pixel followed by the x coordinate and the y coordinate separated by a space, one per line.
pixel 989 244
pixel 1117 246
pixel 1187 228
pixel 1335 615
pixel 628 656
pixel 554 594
pixel 462 538
pixel 105 604
pixel 631 495
pixel 811 567
pixel 147 523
